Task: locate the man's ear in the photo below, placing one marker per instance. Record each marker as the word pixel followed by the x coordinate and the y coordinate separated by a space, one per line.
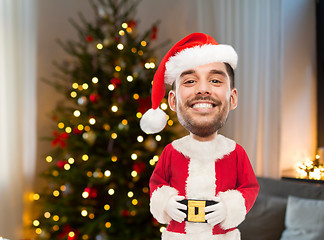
pixel 172 100
pixel 234 99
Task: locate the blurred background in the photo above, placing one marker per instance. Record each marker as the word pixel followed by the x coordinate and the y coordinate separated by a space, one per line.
pixel 279 119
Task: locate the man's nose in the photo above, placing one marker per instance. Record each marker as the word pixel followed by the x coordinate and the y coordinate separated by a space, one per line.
pixel 203 87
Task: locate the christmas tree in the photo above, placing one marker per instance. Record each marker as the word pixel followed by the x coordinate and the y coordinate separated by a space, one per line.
pixel 100 164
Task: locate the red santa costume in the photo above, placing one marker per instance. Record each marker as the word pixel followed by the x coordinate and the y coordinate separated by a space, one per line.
pixel 193 169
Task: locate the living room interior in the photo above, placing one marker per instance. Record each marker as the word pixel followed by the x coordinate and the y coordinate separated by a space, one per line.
pixel 279 119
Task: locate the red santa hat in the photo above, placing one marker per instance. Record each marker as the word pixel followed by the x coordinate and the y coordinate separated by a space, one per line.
pixel 192 51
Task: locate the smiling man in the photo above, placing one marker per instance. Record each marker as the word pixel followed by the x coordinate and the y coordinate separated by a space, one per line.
pixel 203 184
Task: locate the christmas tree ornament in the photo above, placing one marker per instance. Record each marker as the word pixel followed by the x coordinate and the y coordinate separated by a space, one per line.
pixel 90 137
pixel 60 139
pixel 82 100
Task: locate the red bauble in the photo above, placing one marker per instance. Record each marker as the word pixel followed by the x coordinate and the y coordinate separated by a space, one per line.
pixel 116 82
pixel 77 131
pixel 89 38
pixel 93 192
pixel 131 23
pixel 60 139
pixel 61 164
pixel 154 33
pixel 139 167
pixel 125 213
pixel 94 97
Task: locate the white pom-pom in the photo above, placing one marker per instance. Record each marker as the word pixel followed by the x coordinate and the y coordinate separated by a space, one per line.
pixel 153 121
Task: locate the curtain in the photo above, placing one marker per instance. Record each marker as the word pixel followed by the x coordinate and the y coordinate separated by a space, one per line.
pixel 274 120
pixel 17 112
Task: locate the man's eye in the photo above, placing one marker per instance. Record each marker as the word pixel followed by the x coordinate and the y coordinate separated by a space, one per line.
pixel 189 81
pixel 215 81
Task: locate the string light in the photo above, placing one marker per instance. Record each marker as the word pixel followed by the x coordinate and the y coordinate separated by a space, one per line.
pixel 80 127
pixel 114 135
pixel 136 96
pixel 73 94
pixel 95 80
pixel 134 202
pixel 92 121
pixel 158 138
pixel 143 43
pixel 134 156
pixel 111 191
pixel 134 173
pixel 85 194
pixel 36 223
pixel 120 46
pixel 67 166
pixel 114 108
pixel 84 213
pixel 56 193
pixel 138 115
pixel 130 78
pixel 130 194
pixel 164 106
pixel 170 122
pixel 49 159
pixel 124 25
pixel 47 214
pixel 85 86
pixel 56 218
pixel 38 231
pixel 77 113
pixel 99 46
pixel 124 122
pixel 121 32
pixel 111 87
pixel 140 139
pixel 60 125
pixel 85 157
pixel 107 207
pixel 114 158
pixel 68 129
pixel 75 86
pixel 134 50
pixel 140 52
pixel 107 224
pixel 107 173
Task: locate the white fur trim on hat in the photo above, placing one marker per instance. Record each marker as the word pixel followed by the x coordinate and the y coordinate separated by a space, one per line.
pixel 197 56
pixel 153 121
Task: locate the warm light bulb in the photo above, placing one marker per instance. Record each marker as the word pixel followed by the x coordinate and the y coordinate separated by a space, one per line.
pixel 111 87
pixel 92 121
pixel 158 138
pixel 99 46
pixel 107 173
pixel 140 139
pixel 130 78
pixel 85 157
pixel 84 213
pixel 95 80
pixel 114 108
pixel 130 194
pixel 134 173
pixel 111 191
pixel 77 113
pixel 49 159
pixel 143 43
pixel 134 156
pixel 120 46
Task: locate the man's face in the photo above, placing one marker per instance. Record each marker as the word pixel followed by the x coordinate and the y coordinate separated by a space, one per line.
pixel 203 99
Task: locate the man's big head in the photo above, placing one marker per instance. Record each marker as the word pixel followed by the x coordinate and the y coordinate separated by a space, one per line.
pixel 195 50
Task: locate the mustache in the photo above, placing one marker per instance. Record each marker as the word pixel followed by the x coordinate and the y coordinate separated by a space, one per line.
pixel 214 101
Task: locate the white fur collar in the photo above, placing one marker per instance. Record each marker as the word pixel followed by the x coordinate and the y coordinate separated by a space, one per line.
pixel 211 150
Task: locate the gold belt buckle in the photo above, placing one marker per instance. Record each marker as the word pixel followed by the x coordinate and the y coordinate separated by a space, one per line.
pixel 196 212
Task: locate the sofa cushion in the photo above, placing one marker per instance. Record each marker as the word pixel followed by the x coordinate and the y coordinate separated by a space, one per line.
pixel 304 219
pixel 265 221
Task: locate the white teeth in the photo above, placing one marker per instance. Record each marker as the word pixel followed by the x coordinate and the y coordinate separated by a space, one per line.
pixel 203 105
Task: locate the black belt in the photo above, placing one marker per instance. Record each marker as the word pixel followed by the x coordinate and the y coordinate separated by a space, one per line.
pixel 195 209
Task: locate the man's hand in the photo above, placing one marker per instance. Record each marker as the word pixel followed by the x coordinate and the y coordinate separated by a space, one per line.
pixel 215 213
pixel 173 208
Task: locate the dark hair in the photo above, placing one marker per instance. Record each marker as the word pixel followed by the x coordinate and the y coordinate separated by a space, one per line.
pixel 230 73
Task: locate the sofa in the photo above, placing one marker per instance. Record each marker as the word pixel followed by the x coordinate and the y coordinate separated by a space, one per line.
pixel 286 210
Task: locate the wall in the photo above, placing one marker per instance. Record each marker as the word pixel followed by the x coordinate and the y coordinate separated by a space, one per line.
pixel 298 113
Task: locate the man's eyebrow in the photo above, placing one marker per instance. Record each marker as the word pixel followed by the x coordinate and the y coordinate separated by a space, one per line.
pixel 187 72
pixel 219 72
